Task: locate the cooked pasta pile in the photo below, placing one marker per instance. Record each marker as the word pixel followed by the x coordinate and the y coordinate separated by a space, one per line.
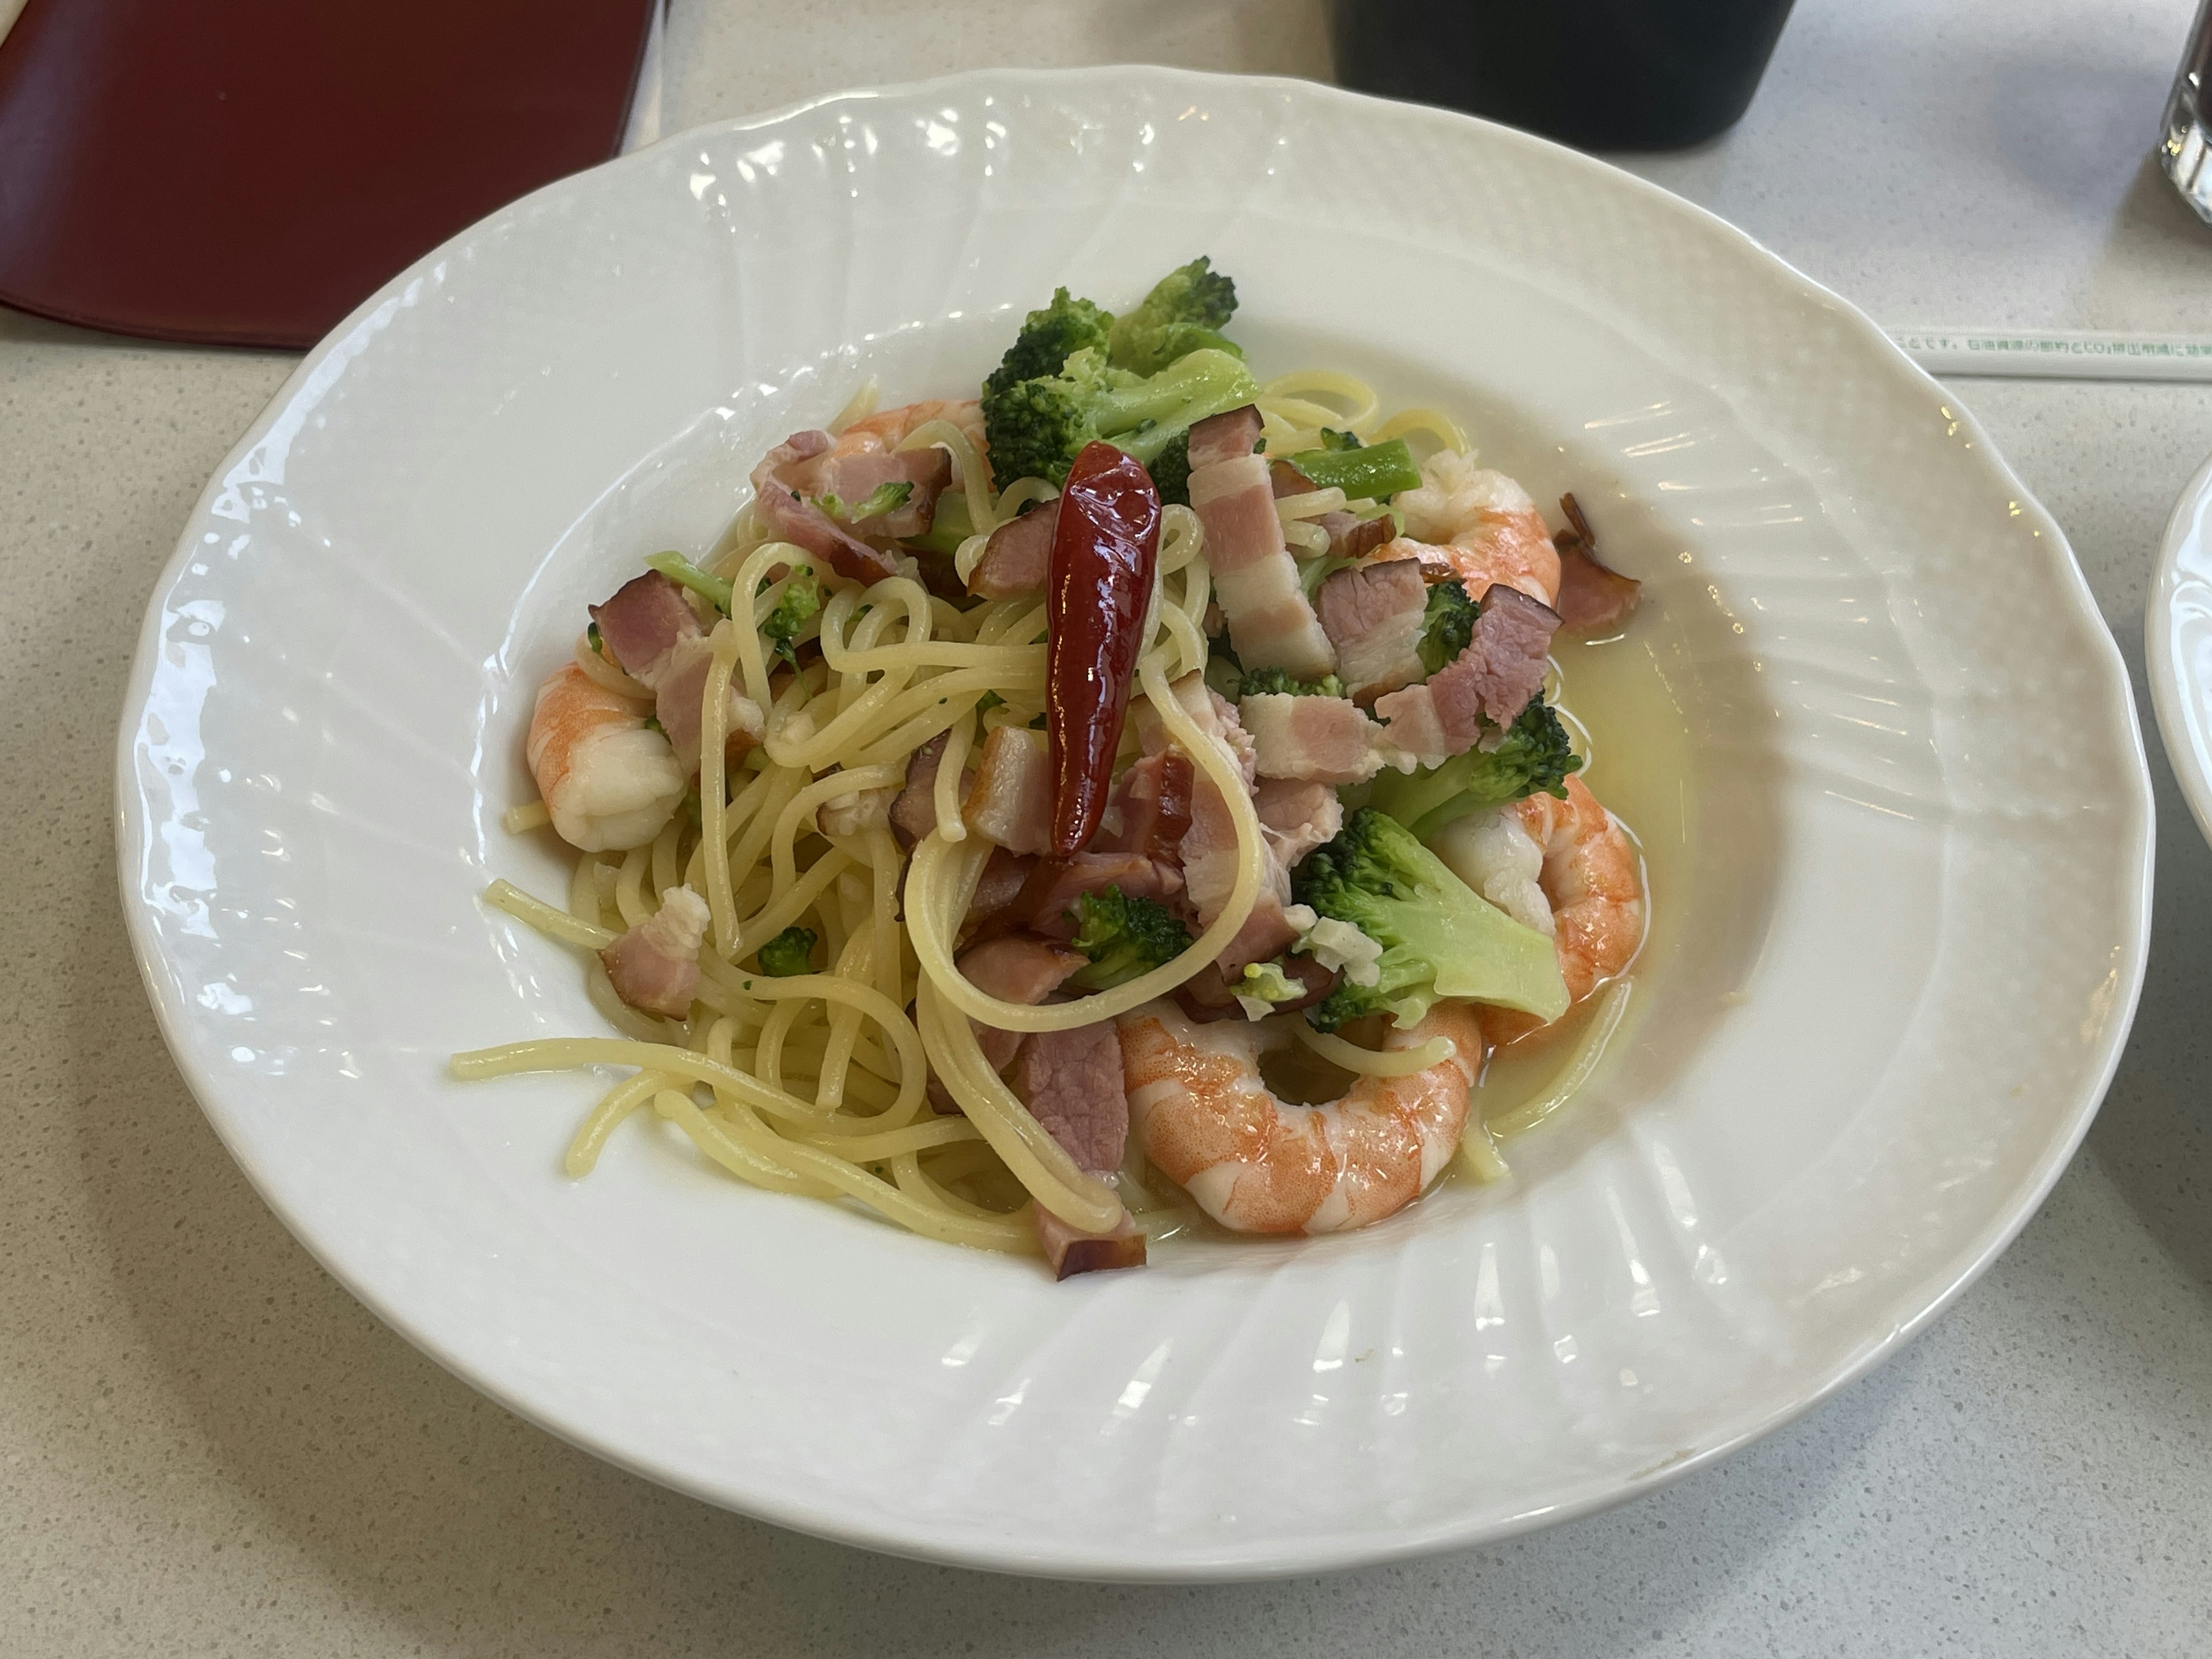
pixel 816 1083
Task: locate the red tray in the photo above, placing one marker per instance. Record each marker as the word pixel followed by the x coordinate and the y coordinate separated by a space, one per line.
pixel 242 172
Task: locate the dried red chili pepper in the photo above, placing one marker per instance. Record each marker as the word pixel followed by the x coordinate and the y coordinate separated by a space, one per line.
pixel 1097 587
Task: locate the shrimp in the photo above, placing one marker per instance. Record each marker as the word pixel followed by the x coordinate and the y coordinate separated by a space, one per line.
pixel 1256 1164
pixel 887 428
pixel 1481 524
pixel 1563 867
pixel 609 780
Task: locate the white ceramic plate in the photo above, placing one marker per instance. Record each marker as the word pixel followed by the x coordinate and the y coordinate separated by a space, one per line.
pixel 2178 644
pixel 1901 947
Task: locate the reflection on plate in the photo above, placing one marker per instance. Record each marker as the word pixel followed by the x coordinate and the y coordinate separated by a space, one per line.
pixel 1901 935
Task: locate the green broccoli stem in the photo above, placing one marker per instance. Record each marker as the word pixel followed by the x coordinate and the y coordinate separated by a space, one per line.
pixel 950 527
pixel 1376 472
pixel 717 591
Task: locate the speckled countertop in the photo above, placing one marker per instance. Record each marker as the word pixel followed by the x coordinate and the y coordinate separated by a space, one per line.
pixel 207 1447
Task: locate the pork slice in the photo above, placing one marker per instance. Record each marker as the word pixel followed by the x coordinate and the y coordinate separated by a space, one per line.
pixel 1068 1252
pixel 1297 816
pixel 1287 480
pixel 680 705
pixel 642 623
pixel 1501 669
pixel 1017 555
pixel 853 477
pixel 784 513
pixel 1224 437
pixel 1072 1083
pixel 1256 580
pixel 1004 875
pixel 913 814
pixel 1010 800
pixel 655 965
pixel 1412 732
pixel 1594 598
pixel 1373 615
pixel 1015 968
pixel 1047 901
pixel 1212 713
pixel 1319 739
pixel 1350 537
pixel 1150 810
pixel 1209 871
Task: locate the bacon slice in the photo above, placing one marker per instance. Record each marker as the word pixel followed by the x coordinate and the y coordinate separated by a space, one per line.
pixel 1015 968
pixel 1016 555
pixel 1297 816
pixel 654 966
pixel 679 705
pixel 1224 437
pixel 1150 812
pixel 642 622
pixel 1493 679
pixel 1593 598
pixel 1373 614
pixel 1323 739
pixel 1010 800
pixel 853 477
pixel 784 513
pixel 913 814
pixel 1005 875
pixel 1350 537
pixel 1072 1083
pixel 1256 580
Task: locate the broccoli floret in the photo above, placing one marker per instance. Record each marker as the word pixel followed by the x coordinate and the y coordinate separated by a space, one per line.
pixel 789 952
pixel 1123 937
pixel 1049 338
pixel 1037 427
pixel 1535 755
pixel 1447 625
pixel 1170 471
pixel 1280 682
pixel 680 570
pixel 1439 937
pixel 801 599
pixel 1184 312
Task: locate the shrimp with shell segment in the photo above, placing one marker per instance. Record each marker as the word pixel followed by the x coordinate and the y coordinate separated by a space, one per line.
pixel 1480 524
pixel 609 781
pixel 1257 1164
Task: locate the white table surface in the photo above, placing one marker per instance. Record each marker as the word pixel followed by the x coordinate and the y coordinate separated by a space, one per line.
pixel 207 1446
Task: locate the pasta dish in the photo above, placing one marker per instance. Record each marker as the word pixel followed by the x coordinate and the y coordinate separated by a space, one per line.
pixel 1133 793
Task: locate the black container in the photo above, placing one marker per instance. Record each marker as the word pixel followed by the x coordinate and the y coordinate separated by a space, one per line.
pixel 1597 73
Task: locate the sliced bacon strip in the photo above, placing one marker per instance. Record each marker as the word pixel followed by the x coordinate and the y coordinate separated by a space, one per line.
pixel 680 705
pixel 784 513
pixel 1271 622
pixel 913 814
pixel 1017 555
pixel 1493 679
pixel 643 621
pixel 1015 968
pixel 1373 615
pixel 1297 816
pixel 1350 537
pixel 1072 1083
pixel 1005 875
pixel 1593 598
pixel 1150 812
pixel 853 477
pixel 654 966
pixel 1322 740
pixel 1224 437
pixel 1010 800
